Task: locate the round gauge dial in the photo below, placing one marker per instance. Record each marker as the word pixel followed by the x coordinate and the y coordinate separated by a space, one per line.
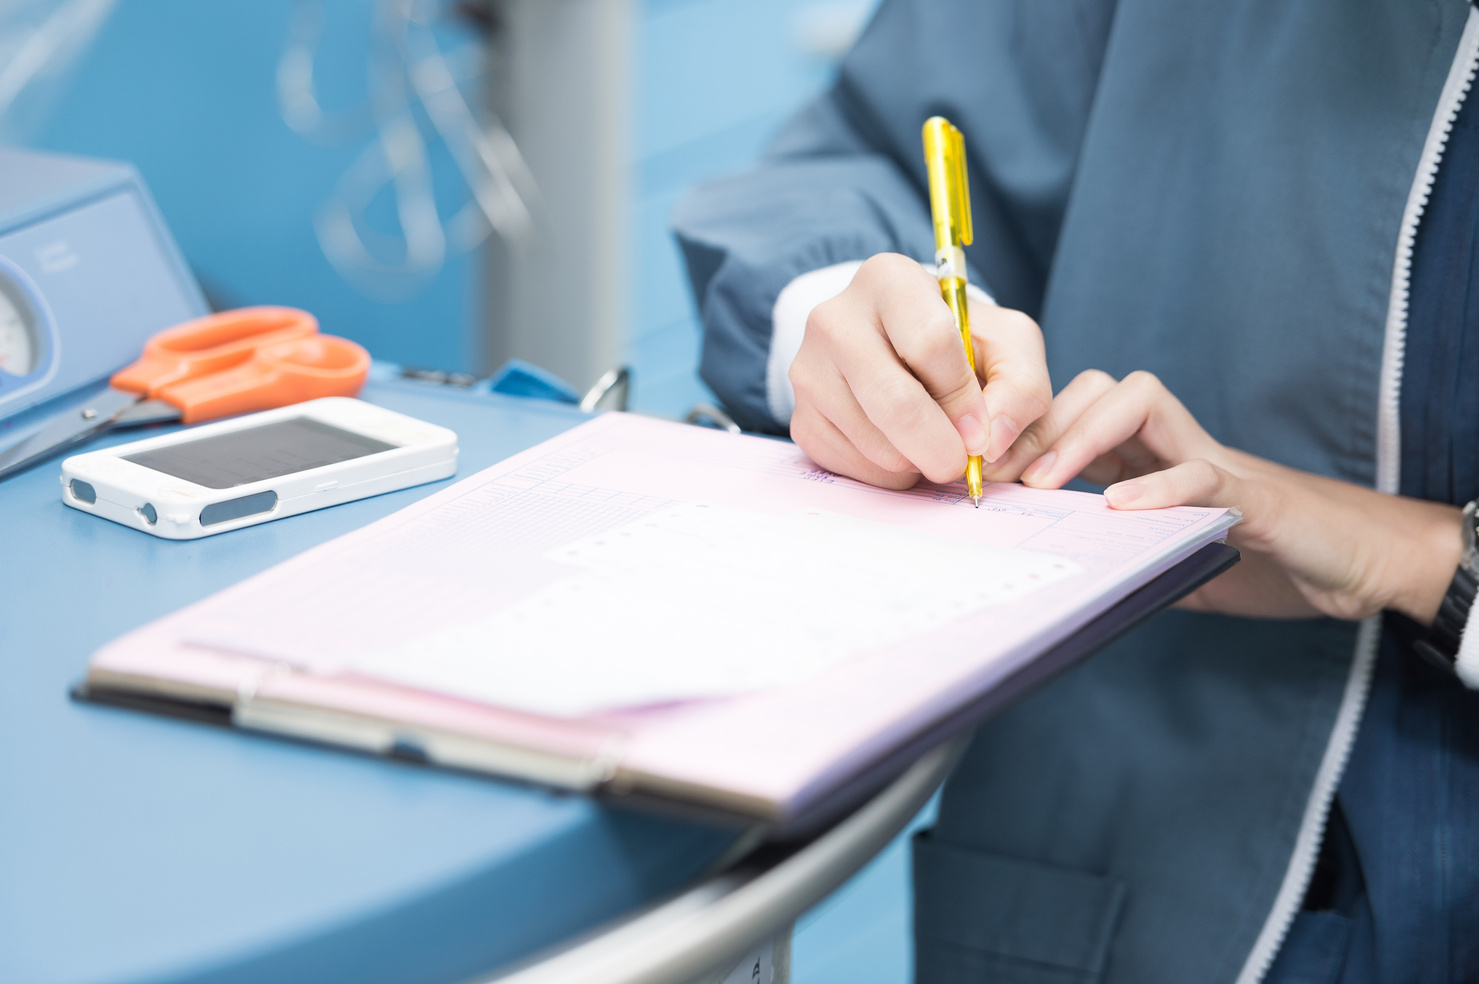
pixel 18 345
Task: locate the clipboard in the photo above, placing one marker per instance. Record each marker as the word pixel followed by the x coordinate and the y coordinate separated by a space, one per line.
pixel 688 760
pixel 841 797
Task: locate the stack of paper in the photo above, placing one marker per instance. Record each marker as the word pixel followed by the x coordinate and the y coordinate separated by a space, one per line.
pixel 659 607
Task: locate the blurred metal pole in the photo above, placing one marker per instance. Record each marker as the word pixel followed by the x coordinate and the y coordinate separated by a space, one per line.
pixel 559 77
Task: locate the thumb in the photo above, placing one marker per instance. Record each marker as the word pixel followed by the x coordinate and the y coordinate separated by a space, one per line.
pixel 921 328
pixel 959 394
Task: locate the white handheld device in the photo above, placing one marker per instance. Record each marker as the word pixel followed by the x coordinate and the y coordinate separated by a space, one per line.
pixel 257 468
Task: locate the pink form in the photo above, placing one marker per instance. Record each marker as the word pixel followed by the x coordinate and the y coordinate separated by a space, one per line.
pixel 473 548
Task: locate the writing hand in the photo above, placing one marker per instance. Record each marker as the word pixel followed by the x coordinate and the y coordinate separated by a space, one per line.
pixel 883 390
pixel 1311 545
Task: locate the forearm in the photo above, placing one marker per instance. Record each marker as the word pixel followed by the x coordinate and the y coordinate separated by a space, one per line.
pixel 1382 552
pixel 1411 548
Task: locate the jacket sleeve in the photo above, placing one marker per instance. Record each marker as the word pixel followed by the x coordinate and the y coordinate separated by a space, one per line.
pixel 845 179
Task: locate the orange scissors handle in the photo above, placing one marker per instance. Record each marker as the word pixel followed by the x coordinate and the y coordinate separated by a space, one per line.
pixel 210 344
pixel 240 361
pixel 274 376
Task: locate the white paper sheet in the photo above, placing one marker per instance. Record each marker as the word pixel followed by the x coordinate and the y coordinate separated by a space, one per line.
pixel 668 607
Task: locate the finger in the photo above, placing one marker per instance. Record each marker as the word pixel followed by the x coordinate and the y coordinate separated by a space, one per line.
pixel 824 390
pixel 1139 406
pixel 1191 483
pixel 1015 367
pixel 921 329
pixel 899 406
pixel 826 445
pixel 1071 402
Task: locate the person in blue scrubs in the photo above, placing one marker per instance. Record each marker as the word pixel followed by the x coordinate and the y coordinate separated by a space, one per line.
pixel 1275 210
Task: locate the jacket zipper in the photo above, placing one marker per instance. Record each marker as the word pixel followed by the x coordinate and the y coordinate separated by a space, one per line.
pixel 1388 465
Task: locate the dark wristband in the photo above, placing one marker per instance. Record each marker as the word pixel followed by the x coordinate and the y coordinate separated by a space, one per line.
pixel 1441 644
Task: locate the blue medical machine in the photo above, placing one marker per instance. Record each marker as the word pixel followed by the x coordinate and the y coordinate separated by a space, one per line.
pixel 88 271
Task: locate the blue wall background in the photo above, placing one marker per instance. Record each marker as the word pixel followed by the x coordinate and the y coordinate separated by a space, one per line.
pixel 716 79
pixel 185 91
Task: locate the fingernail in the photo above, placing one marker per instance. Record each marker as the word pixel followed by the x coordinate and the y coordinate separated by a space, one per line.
pixel 972 433
pixel 1004 431
pixel 1040 468
pixel 1124 492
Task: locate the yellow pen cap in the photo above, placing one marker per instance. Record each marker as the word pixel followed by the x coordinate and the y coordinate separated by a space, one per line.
pixel 950 195
pixel 962 187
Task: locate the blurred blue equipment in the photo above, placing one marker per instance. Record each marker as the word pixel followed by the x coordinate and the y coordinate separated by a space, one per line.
pixel 88 271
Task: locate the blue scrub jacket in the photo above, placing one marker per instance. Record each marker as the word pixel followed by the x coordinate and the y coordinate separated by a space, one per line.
pixel 1211 191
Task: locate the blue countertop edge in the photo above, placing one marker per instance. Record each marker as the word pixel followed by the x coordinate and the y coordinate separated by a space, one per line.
pixel 134 848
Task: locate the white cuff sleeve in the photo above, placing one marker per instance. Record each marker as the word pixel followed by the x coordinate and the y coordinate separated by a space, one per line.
pixel 788 324
pixel 1467 666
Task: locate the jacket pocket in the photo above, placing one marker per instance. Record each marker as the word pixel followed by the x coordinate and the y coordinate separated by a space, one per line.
pixel 987 919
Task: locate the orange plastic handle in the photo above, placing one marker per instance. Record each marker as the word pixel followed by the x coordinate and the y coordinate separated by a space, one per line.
pixel 211 344
pixel 245 360
pixel 274 376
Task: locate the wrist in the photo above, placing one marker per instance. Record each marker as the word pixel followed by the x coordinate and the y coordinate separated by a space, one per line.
pixel 788 318
pixel 1426 548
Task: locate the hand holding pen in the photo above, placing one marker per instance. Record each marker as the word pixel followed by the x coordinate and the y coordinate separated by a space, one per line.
pixel 884 390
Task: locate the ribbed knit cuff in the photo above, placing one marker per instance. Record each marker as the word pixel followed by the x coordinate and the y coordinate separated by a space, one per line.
pixel 1467 665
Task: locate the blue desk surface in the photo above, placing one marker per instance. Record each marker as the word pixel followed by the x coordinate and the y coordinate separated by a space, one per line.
pixel 136 848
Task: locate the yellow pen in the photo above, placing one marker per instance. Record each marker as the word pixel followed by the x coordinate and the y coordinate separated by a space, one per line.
pixel 950 205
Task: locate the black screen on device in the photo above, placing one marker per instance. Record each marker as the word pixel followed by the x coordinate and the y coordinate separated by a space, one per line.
pixel 258 453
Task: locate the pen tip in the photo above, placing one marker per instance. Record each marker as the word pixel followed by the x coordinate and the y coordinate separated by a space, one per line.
pixel 976 501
